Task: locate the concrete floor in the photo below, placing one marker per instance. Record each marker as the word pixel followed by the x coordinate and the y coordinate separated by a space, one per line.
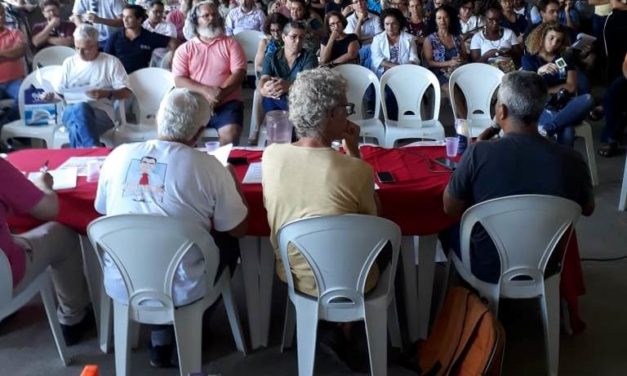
pixel 27 348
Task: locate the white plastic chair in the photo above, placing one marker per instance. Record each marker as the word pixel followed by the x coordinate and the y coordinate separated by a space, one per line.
pixel 249 40
pixel 18 128
pixel 53 55
pixel 409 83
pixel 10 303
pixel 622 201
pixel 147 250
pixel 341 250
pixel 478 82
pixel 359 79
pixel 584 130
pixel 526 230
pixel 149 85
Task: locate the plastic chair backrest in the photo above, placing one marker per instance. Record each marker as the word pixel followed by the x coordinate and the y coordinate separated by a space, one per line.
pixel 478 82
pixel 53 55
pixel 147 250
pixel 150 85
pixel 249 40
pixel 409 83
pixel 340 250
pixel 6 280
pixel 525 229
pixel 358 80
pixel 51 73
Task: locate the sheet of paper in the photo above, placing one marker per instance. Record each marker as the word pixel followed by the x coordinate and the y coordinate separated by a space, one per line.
pixel 63 179
pixel 222 153
pixel 80 164
pixel 43 83
pixel 253 174
pixel 76 94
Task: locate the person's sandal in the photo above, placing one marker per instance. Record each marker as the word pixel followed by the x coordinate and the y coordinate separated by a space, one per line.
pixel 609 150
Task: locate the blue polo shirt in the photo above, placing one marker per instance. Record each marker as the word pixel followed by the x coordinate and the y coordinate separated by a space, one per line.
pixel 135 54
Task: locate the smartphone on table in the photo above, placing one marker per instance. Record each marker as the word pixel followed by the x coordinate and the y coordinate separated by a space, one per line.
pixel 385 177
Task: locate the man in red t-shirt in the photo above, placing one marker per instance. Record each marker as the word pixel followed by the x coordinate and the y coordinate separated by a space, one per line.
pixel 51 244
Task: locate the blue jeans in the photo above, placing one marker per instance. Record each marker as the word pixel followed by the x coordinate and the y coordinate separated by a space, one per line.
pixel 271 104
pixel 614 105
pixel 11 90
pixel 561 122
pixel 85 124
pixel 364 56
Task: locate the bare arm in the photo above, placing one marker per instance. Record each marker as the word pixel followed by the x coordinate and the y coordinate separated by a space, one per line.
pixel 13 52
pixel 452 206
pixel 233 82
pixel 350 55
pixel 570 85
pixel 261 52
pixel 48 207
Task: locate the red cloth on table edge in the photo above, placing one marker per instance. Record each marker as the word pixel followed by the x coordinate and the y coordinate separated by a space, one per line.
pixel 414 200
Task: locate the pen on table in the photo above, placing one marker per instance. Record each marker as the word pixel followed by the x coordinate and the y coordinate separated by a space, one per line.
pixel 44 168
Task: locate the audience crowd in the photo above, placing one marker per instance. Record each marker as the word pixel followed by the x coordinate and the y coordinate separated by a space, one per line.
pixel 196 40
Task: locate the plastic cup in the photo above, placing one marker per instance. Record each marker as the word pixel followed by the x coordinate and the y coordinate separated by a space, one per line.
pixel 93 171
pixel 211 146
pixel 451 146
pixel 278 127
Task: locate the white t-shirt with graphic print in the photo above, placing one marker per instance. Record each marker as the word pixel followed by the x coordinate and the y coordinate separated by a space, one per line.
pixel 168 178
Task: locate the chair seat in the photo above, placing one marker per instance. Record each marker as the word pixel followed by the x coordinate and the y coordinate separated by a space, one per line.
pixel 18 128
pixel 372 127
pixel 410 128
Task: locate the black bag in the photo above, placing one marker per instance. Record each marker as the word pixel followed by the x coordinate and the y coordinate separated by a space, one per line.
pixel 559 100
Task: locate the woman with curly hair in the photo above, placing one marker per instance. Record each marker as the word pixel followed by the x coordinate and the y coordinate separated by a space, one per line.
pixel 444 49
pixel 565 108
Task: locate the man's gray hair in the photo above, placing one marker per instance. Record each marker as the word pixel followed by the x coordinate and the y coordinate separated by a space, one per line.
pixel 190 29
pixel 524 94
pixel 313 94
pixel 181 114
pixel 86 32
pixel 293 25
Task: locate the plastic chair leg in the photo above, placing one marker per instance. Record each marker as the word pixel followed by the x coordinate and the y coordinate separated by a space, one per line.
pixel 394 327
pixel 550 319
pixel 122 340
pixel 375 322
pixel 106 321
pixel 584 130
pixel 410 287
pixel 622 203
pixel 232 314
pixel 427 246
pixel 188 338
pixel 288 327
pixel 49 305
pixel 306 331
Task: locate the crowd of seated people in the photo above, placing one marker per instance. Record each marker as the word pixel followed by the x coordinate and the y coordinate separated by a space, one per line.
pixel 439 34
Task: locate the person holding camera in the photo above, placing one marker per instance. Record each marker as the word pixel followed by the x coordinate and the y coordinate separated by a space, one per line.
pixel 565 108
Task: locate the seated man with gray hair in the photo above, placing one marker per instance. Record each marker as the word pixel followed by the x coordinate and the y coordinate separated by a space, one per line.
pixel 521 162
pixel 167 176
pixel 101 77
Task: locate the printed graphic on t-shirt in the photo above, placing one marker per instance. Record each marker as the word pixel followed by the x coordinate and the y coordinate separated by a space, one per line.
pixel 144 180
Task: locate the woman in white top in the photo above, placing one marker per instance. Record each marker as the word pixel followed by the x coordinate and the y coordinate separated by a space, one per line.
pixel 496 45
pixel 394 46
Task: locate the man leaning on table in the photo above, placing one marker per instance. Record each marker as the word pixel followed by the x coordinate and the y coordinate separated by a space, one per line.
pixel 50 244
pixel 308 178
pixel 101 77
pixel 521 162
pixel 167 176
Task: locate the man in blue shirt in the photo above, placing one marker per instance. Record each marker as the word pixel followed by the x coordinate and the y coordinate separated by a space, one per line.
pixel 134 45
pixel 280 69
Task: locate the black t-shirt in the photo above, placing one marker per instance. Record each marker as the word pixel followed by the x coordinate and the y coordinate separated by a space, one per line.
pixel 615 34
pixel 331 5
pixel 135 54
pixel 513 165
pixel 340 47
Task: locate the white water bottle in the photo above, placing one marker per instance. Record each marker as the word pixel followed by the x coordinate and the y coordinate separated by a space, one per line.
pixel 463 133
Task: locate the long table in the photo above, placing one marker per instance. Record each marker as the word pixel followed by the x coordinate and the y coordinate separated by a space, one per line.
pixel 413 201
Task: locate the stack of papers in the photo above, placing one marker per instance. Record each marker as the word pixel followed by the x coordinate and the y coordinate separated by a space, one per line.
pixel 63 178
pixel 80 164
